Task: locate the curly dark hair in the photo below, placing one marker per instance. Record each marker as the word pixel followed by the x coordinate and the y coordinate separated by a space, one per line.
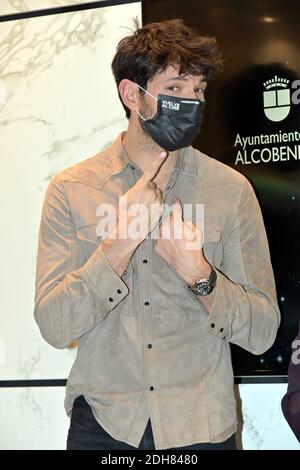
pixel 155 46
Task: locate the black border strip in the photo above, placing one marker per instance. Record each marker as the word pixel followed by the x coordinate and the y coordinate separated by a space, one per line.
pixel 33 383
pixel 257 379
pixel 260 379
pixel 64 9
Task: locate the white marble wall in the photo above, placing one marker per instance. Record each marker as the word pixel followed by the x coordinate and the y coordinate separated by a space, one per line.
pixel 264 427
pixel 59 105
pixel 33 418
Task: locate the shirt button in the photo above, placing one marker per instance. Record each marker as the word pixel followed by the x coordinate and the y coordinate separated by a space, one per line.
pixel 119 291
pixel 111 299
pixel 151 388
pixel 125 272
pixel 147 303
pixel 145 261
pixel 149 346
pixel 221 329
pixel 212 325
pixel 132 167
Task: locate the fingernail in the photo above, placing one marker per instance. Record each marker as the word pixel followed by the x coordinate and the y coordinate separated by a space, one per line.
pixel 163 154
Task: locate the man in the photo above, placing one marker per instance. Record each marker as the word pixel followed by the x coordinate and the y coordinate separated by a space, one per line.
pixel 154 311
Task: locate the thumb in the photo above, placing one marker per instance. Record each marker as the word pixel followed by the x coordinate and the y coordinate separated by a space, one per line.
pixel 153 167
pixel 177 208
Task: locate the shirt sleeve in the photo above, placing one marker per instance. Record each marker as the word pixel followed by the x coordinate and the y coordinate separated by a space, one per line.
pixel 290 403
pixel 245 309
pixel 71 294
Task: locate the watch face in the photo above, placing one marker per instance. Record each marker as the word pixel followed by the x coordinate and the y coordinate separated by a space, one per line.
pixel 203 288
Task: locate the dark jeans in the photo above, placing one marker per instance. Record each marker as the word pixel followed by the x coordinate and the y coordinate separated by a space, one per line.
pixel 85 433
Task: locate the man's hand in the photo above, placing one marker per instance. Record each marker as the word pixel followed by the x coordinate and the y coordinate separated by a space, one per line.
pixel 140 209
pixel 180 245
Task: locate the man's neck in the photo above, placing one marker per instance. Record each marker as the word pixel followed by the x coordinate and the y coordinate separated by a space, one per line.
pixel 140 151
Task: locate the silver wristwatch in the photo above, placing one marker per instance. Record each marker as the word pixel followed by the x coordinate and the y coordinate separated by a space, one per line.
pixel 206 285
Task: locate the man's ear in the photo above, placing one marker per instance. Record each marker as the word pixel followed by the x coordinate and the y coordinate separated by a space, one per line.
pixel 129 94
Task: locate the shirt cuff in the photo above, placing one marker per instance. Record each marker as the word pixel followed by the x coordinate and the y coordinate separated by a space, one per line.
pixel 227 298
pixel 219 319
pixel 104 281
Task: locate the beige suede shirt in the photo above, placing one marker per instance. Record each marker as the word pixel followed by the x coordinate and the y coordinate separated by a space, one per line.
pixel 147 347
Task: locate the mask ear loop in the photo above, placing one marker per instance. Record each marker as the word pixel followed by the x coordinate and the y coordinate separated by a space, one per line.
pixel 145 91
pixel 148 94
pixel 141 116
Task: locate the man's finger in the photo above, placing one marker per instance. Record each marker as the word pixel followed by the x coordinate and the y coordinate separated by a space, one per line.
pixel 165 228
pixel 177 209
pixel 193 232
pixel 159 194
pixel 190 224
pixel 189 230
pixel 153 167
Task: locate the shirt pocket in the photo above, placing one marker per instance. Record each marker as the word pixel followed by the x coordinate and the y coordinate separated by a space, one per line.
pixel 212 246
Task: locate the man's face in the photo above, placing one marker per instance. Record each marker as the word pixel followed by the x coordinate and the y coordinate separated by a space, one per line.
pixel 170 83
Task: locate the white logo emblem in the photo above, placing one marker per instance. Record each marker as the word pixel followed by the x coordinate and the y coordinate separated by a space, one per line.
pixel 170 105
pixel 277 99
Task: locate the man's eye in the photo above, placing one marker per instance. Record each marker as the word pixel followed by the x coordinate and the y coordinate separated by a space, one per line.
pixel 200 90
pixel 173 88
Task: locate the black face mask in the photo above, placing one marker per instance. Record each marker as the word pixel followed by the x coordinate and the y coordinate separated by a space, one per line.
pixel 176 123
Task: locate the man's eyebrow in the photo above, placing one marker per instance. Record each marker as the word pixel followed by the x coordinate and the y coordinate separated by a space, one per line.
pixel 183 77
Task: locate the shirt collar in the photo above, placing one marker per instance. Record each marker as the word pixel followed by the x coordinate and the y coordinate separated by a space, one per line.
pixel 185 162
pixel 118 157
